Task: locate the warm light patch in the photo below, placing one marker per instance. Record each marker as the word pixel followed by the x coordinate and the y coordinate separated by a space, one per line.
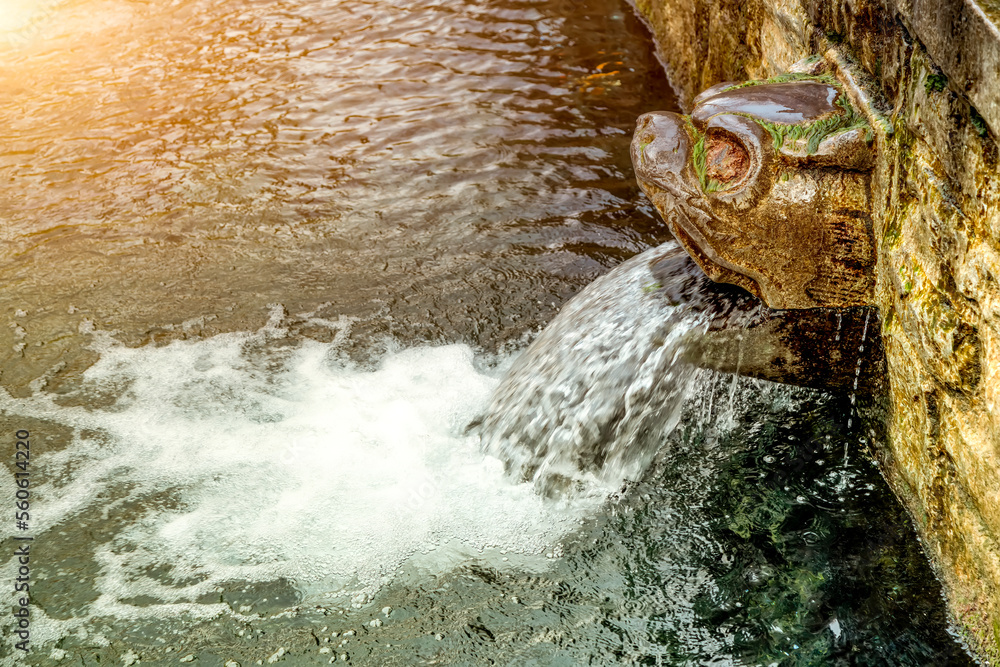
pixel 21 20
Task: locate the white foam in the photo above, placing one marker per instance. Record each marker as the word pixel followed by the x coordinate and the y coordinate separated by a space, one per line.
pixel 288 463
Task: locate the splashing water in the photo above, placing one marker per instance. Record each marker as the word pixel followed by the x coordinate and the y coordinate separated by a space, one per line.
pixel 250 457
pixel 231 483
pixel 255 458
pixel 195 499
pixel 587 404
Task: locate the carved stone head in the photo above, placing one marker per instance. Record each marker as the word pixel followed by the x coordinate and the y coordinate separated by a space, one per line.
pixel 767 185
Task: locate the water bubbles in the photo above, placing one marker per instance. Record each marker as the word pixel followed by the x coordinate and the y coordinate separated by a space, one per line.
pixel 287 467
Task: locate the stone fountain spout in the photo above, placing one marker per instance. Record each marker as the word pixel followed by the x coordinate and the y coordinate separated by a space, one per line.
pixel 767 185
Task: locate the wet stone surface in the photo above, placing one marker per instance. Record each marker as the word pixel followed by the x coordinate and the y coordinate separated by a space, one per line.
pixel 765 184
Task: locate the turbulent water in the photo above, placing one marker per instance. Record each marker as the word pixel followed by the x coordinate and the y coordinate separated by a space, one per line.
pixel 266 261
pixel 589 401
pixel 240 459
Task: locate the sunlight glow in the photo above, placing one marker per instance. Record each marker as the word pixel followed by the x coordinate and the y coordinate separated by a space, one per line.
pixel 21 20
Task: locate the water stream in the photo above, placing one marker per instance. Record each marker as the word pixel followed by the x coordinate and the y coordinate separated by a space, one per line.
pixel 271 271
pixel 587 403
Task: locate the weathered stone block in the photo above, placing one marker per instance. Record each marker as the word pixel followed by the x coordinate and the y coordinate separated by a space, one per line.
pixel 766 185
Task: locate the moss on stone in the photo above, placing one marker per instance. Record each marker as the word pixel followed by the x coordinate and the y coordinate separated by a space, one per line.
pixel 787 77
pixel 814 133
pixel 935 83
pixel 699 156
pixel 977 122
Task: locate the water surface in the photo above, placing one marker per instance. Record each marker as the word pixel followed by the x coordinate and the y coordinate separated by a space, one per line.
pixel 448 171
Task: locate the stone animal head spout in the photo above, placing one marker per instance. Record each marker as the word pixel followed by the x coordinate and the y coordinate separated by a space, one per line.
pixel 767 186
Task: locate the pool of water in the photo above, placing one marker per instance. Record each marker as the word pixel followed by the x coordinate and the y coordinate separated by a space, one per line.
pixel 264 260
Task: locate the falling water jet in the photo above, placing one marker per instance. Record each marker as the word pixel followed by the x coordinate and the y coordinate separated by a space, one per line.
pixel 580 407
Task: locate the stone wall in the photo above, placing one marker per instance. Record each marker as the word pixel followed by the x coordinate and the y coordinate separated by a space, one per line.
pixel 937 230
